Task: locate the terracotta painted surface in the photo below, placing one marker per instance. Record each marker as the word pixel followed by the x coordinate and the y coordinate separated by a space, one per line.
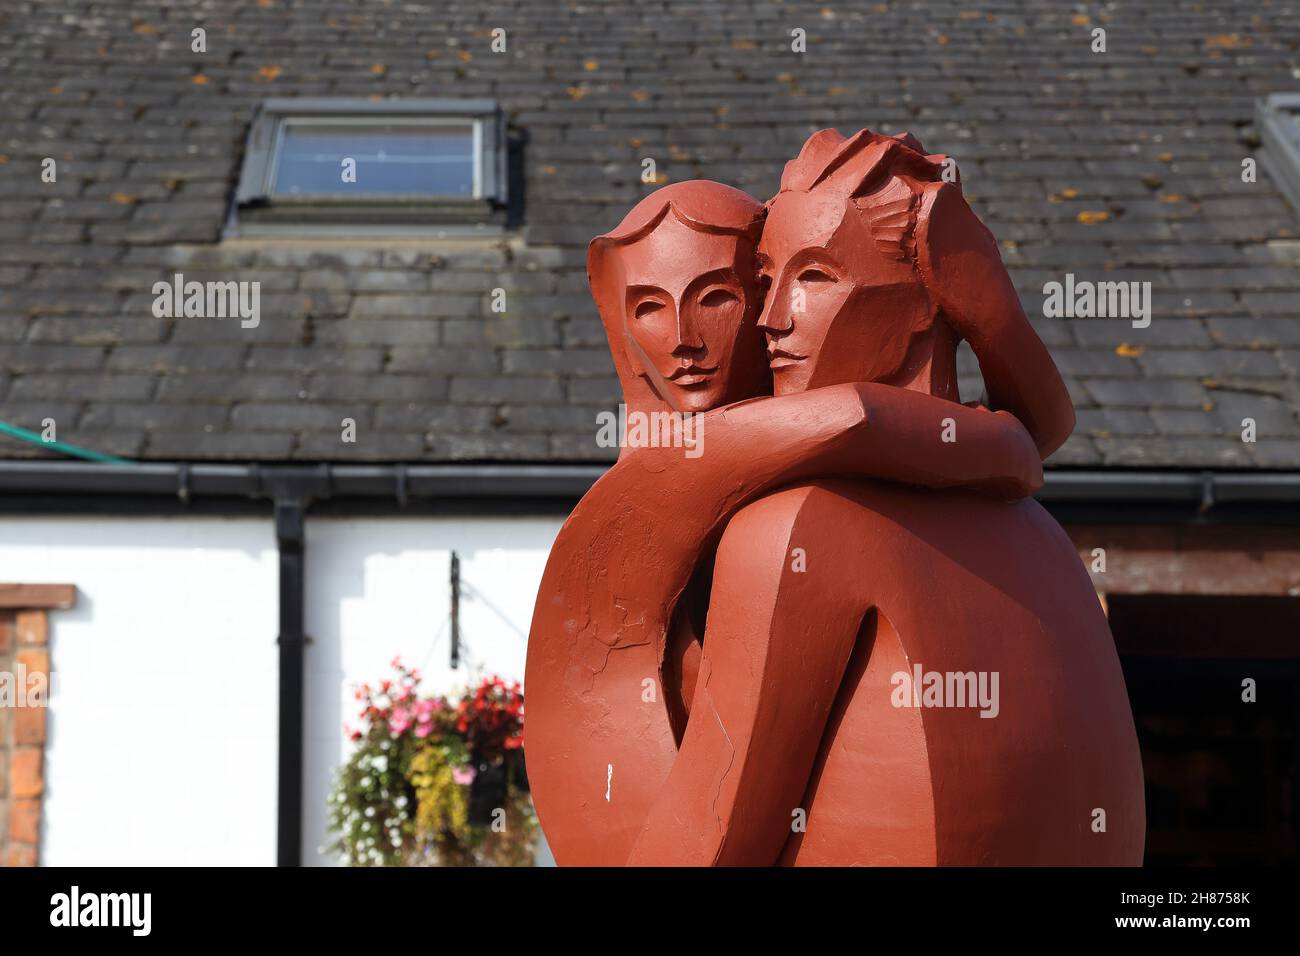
pixel 716 654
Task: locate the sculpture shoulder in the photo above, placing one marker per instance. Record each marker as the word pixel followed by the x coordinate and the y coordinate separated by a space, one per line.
pixel 777 515
pixel 842 507
pixel 876 538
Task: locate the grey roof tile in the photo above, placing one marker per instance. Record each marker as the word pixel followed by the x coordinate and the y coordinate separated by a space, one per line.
pixel 1189 363
pixel 370 445
pixel 1159 393
pixel 1277 453
pixel 243 445
pixel 1176 452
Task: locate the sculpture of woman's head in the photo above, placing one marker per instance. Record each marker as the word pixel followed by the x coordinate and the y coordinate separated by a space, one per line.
pixel 676 290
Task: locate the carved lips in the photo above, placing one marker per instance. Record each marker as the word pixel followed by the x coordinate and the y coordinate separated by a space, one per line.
pixel 691 375
pixel 778 358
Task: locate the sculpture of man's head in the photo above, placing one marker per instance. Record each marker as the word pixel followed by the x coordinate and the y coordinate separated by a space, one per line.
pixel 845 300
pixel 675 286
pixel 877 267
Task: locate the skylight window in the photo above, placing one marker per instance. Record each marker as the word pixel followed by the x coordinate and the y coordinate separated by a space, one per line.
pixel 372 166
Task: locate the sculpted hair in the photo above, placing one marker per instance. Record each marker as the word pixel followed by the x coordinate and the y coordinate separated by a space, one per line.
pixel 882 176
pixel 701 204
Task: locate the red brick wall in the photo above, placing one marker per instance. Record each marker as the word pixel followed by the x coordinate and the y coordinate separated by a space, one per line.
pixel 23 641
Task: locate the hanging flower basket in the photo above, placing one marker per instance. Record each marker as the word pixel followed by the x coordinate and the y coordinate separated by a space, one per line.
pixel 435 781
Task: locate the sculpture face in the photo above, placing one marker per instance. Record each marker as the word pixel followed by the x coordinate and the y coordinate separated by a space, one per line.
pixel 689 312
pixel 838 309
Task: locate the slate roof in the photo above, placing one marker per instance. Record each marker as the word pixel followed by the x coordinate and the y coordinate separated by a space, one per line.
pixel 1122 165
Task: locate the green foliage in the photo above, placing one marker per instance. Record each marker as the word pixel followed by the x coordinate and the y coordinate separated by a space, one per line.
pixel 370 809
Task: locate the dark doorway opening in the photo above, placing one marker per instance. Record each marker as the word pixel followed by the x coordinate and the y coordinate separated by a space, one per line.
pixel 1221 774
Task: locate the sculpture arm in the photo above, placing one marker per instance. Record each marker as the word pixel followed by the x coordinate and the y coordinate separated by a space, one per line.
pixel 919 439
pixel 863 430
pixel 777 647
pixel 963 270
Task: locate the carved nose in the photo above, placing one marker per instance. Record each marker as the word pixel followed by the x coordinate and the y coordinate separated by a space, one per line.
pixel 774 320
pixel 687 336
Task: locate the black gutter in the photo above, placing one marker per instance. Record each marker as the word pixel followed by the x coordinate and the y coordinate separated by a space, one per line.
pixel 399 482
pixel 389 488
pixel 1207 489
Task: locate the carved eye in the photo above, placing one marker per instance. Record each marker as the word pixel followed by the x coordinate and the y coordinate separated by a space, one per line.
pixel 815 274
pixel 716 298
pixel 647 307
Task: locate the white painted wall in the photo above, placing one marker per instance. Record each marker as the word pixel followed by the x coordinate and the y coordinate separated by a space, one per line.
pixel 377 588
pixel 162 747
pixel 163 729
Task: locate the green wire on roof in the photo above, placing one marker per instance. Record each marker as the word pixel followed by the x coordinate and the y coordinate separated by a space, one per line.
pixel 74 451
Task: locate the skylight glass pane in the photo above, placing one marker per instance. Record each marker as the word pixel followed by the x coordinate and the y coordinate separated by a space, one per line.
pixel 391 158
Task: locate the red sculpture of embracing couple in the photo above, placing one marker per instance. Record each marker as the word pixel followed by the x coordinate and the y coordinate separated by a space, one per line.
pixel 843 634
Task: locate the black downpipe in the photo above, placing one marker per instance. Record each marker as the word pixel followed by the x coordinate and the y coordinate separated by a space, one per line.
pixel 292 642
pixel 455 610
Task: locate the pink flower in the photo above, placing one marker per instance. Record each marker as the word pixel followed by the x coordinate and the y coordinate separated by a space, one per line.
pixel 400 722
pixel 423 729
pixel 464 775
